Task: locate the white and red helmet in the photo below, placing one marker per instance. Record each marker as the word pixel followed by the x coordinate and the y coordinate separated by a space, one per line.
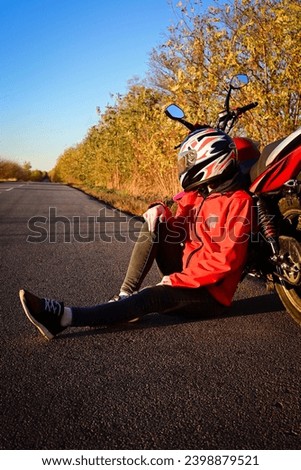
pixel 206 155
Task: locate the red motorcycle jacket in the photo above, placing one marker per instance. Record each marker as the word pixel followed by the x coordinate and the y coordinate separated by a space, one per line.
pixel 215 231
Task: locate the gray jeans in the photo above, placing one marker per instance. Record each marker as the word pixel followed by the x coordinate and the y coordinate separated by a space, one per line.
pixel 166 250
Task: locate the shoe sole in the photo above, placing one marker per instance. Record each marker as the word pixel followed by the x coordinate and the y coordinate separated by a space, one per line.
pixel 42 329
pixel 134 320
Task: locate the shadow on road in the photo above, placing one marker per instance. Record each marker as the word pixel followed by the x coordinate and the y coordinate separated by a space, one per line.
pixel 251 306
pixel 254 305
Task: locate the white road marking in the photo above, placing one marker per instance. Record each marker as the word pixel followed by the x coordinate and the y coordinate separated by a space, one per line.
pixel 13 187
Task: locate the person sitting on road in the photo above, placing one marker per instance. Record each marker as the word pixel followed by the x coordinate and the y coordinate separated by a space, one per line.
pixel 200 251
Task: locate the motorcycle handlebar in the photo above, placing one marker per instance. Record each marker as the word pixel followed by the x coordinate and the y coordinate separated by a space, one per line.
pixel 226 117
pixel 243 109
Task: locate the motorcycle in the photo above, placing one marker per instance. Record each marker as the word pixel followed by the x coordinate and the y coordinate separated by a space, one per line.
pixel 275 185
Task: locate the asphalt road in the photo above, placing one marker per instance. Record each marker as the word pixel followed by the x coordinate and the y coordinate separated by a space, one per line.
pixel 165 383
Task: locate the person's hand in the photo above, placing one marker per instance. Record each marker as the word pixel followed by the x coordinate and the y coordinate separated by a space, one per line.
pixel 165 281
pixel 153 215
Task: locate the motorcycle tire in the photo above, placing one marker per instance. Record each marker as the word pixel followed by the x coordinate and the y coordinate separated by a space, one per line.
pixel 289 292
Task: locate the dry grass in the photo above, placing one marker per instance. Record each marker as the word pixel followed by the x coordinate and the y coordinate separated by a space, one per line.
pixel 132 204
pixel 135 195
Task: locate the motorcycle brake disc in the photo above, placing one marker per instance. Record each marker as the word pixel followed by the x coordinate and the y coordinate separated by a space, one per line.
pixel 290 252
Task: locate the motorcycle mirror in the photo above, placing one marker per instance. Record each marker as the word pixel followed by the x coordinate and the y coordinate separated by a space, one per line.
pixel 238 81
pixel 174 112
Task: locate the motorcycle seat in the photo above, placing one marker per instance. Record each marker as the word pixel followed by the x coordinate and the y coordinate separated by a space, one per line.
pixel 274 152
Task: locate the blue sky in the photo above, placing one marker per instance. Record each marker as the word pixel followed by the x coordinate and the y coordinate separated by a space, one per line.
pixel 60 59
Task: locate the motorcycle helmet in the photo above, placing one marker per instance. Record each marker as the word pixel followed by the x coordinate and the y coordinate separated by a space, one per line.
pixel 207 155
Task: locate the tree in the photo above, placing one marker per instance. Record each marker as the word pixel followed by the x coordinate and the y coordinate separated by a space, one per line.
pixel 259 37
pixel 10 170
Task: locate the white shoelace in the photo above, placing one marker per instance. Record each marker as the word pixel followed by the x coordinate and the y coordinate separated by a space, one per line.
pixel 52 306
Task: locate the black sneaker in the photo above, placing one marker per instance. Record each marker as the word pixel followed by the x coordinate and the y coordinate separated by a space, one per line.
pixel 45 314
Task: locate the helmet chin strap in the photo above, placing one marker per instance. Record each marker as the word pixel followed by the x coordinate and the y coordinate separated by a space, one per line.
pixel 228 183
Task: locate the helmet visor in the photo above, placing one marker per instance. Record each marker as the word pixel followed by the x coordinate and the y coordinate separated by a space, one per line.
pixel 186 161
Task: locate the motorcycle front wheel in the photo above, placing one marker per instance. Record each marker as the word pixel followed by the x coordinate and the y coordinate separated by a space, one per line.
pixel 289 291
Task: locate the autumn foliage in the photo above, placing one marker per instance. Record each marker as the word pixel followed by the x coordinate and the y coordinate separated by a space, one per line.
pixel 10 170
pixel 131 150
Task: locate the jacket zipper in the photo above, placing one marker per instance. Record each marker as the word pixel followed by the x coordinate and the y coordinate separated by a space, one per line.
pixel 195 233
